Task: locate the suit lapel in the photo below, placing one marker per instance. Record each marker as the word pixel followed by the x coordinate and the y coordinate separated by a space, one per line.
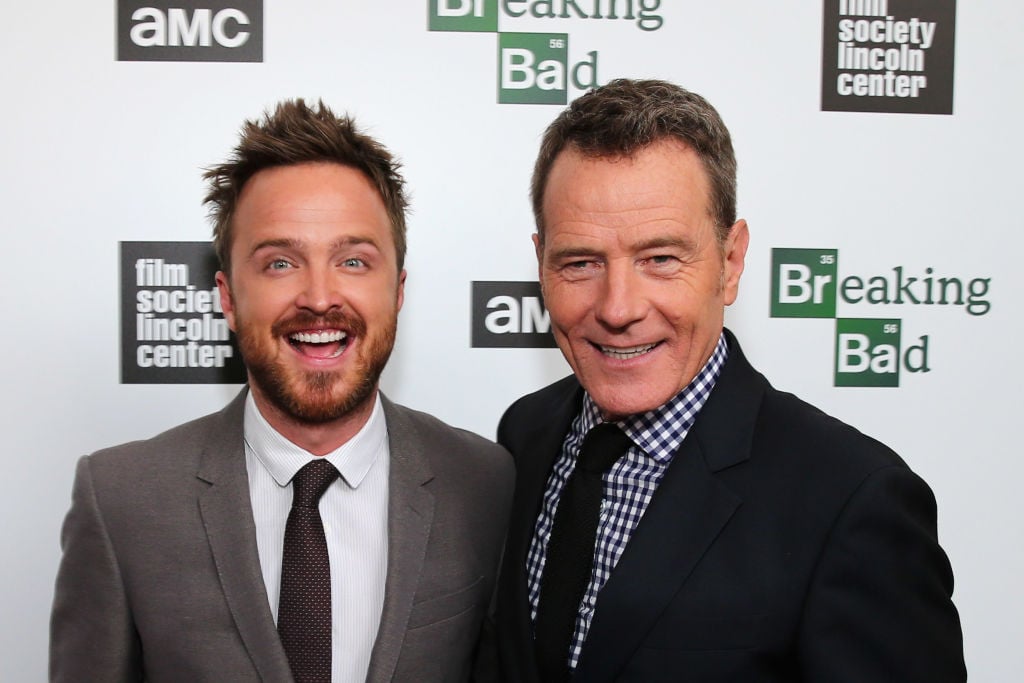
pixel 535 449
pixel 410 515
pixel 226 511
pixel 687 513
pixel 685 516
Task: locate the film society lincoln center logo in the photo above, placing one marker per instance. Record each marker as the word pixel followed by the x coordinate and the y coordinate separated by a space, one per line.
pixel 888 56
pixel 538 68
pixel 173 329
pixel 869 351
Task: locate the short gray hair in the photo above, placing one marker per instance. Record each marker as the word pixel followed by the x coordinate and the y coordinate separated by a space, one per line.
pixel 624 117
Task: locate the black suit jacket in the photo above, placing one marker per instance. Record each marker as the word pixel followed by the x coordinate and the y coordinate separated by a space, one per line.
pixel 782 545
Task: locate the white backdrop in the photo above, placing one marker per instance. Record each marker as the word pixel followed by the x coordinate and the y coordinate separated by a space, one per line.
pixel 97 151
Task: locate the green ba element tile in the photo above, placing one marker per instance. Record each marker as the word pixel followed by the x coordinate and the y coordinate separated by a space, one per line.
pixel 868 352
pixel 533 68
pixel 804 283
pixel 472 16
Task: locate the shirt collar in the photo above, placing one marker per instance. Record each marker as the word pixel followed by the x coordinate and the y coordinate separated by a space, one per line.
pixel 353 459
pixel 660 432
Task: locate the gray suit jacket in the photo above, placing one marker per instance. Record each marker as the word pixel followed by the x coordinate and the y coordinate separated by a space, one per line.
pixel 160 578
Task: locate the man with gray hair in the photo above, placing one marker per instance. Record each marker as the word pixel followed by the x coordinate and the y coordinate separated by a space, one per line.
pixel 676 518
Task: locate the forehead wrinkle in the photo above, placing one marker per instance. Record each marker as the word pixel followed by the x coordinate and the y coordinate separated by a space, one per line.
pixel 612 202
pixel 634 217
pixel 578 239
pixel 626 201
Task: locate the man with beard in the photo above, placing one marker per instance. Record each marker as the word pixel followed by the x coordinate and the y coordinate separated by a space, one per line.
pixel 312 530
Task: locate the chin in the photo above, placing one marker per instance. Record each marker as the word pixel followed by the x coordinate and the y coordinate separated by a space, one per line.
pixel 618 408
pixel 626 401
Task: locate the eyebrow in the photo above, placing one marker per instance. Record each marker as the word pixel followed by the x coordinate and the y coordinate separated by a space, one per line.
pixel 681 243
pixel 572 252
pixel 293 243
pixel 353 240
pixel 277 243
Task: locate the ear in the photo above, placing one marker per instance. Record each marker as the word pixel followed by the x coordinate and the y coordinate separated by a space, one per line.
pixel 735 253
pixel 538 249
pixel 227 304
pixel 401 290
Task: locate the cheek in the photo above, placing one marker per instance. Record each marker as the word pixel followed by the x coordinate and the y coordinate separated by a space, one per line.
pixel 263 305
pixel 381 302
pixel 567 305
pixel 689 305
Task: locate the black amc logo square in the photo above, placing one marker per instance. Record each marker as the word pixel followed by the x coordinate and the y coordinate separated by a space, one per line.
pixel 190 31
pixel 173 329
pixel 510 315
pixel 891 56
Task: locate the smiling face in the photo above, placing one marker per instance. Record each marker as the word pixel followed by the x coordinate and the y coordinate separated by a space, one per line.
pixel 633 276
pixel 313 294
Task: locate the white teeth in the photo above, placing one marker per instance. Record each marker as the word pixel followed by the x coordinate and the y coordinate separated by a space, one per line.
pixel 623 354
pixel 319 337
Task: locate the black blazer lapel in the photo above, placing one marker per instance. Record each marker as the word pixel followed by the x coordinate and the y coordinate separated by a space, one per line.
pixel 227 516
pixel 685 516
pixel 687 513
pixel 535 441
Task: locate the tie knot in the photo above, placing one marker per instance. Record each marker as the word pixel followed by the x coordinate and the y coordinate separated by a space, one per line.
pixel 602 446
pixel 310 482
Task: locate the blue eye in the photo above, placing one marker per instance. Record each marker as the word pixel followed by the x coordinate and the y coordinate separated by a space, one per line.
pixel 353 263
pixel 278 264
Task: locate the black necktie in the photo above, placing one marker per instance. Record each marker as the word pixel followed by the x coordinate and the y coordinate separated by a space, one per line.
pixel 304 608
pixel 570 554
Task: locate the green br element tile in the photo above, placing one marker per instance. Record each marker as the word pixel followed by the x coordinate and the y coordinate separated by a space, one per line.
pixel 804 283
pixel 470 16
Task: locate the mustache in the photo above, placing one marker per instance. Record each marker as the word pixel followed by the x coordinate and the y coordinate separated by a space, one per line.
pixel 304 320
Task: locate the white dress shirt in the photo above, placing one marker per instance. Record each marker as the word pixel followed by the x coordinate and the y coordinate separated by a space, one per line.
pixel 354 510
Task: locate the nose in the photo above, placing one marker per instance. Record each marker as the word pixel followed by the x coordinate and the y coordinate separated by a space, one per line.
pixel 321 290
pixel 621 300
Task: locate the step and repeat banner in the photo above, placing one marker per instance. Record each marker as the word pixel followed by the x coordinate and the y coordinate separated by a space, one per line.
pixel 879 147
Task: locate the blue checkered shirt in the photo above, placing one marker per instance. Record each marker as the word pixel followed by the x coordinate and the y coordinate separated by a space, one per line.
pixel 629 484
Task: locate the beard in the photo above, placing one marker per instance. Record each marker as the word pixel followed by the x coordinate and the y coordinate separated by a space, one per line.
pixel 321 396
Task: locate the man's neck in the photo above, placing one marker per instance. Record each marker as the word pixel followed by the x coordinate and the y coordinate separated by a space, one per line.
pixel 321 438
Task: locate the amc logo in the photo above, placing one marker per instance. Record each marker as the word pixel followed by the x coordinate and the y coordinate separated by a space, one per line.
pixel 510 315
pixel 190 31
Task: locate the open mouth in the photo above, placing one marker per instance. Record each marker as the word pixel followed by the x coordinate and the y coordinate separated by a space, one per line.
pixel 320 344
pixel 626 353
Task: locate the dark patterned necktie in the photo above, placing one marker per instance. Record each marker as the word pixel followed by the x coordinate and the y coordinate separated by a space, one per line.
pixel 570 555
pixel 304 608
